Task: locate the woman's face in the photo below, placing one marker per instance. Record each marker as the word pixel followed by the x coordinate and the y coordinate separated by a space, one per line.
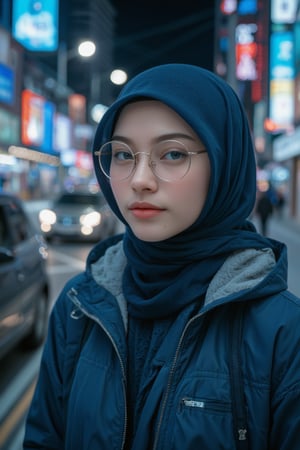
pixel 156 209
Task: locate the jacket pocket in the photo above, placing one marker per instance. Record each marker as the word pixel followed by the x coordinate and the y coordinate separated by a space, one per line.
pixel 202 422
pixel 205 405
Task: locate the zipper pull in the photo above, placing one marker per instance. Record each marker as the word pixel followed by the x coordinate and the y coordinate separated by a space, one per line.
pixel 242 434
pixel 76 313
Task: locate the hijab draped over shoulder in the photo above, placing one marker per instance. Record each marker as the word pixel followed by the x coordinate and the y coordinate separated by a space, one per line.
pixel 163 277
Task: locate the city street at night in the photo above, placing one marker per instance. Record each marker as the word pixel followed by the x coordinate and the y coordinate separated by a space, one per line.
pixel 178 122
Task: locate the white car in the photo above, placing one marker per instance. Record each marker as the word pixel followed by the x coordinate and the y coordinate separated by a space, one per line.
pixel 78 215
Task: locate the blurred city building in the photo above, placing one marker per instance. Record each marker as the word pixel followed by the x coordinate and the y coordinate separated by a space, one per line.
pixel 47 91
pixel 257 50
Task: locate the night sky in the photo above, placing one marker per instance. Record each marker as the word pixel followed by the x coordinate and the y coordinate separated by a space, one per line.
pixel 147 33
pixel 156 32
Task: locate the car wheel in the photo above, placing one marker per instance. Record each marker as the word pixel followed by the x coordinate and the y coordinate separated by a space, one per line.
pixel 40 325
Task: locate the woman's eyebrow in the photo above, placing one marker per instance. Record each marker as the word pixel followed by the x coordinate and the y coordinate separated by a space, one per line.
pixel 161 137
pixel 176 135
pixel 117 137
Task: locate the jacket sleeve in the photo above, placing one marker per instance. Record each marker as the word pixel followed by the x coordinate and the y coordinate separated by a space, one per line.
pixel 285 400
pixel 45 420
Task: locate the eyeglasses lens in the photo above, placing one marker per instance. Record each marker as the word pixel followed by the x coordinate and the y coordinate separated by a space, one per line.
pixel 169 160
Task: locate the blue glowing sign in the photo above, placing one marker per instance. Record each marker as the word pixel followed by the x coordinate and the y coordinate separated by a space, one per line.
pixel 282 55
pixel 247 7
pixel 35 24
pixel 6 85
pixel 49 110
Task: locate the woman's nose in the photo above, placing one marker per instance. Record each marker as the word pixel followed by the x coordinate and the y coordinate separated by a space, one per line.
pixel 143 176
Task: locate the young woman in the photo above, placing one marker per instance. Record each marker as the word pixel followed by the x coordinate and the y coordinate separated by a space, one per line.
pixel 181 333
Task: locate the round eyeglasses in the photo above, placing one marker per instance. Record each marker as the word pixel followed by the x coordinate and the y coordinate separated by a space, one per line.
pixel 169 160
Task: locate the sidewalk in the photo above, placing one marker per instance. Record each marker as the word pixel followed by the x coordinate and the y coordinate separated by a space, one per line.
pixel 290 223
pixel 284 222
pixel 288 231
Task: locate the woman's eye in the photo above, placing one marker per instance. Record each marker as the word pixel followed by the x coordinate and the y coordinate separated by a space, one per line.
pixel 174 155
pixel 122 155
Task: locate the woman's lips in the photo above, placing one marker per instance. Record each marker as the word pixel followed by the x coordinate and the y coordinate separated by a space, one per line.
pixel 144 210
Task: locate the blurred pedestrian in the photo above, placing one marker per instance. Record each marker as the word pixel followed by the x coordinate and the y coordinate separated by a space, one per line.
pixel 280 203
pixel 264 211
pixel 181 333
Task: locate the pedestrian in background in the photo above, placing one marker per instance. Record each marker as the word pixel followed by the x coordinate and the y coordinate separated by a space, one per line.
pixel 181 333
pixel 264 210
pixel 280 205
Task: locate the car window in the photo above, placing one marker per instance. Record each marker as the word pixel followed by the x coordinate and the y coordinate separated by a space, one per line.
pixel 18 223
pixel 80 199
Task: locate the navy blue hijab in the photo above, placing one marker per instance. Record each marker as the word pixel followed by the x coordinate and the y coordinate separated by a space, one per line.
pixel 161 278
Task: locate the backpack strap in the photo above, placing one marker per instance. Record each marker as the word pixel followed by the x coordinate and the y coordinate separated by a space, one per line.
pixel 239 410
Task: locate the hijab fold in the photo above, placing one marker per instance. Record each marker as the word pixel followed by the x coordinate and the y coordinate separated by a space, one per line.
pixel 161 278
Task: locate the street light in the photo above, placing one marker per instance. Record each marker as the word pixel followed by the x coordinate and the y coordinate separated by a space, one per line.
pixel 117 77
pixel 98 111
pixel 86 49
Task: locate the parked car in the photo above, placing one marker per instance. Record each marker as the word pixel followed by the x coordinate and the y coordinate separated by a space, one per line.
pixel 78 215
pixel 24 299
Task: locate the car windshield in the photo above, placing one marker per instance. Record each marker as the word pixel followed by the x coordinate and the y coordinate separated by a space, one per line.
pixel 80 199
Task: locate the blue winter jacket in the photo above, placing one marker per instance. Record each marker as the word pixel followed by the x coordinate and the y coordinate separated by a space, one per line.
pixel 80 399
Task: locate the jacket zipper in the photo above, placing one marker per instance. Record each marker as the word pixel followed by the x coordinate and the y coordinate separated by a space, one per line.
pixel 172 370
pixel 242 431
pixel 72 294
pixel 205 404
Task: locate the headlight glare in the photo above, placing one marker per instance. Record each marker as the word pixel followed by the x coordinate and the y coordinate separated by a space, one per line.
pixel 47 216
pixel 91 219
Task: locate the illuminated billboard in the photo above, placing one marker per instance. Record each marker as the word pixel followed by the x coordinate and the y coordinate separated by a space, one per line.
pixel 228 6
pixel 247 7
pixel 37 121
pixel 35 24
pixel 246 51
pixel 6 85
pixel 283 11
pixel 32 129
pixel 282 74
pixel 62 133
